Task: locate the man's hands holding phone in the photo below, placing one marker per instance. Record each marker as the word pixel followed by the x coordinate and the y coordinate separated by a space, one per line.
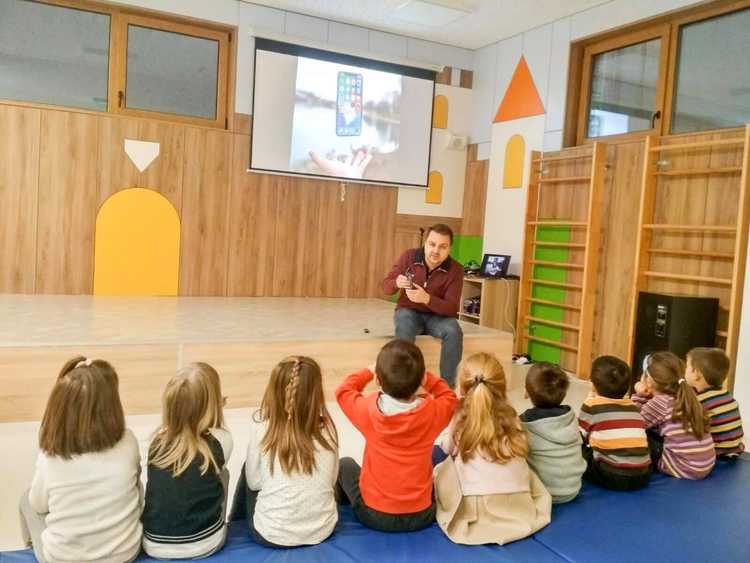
pixel 404 282
pixel 415 293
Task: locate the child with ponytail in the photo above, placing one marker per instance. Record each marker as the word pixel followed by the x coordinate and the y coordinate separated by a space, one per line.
pixel 677 427
pixel 286 489
pixel 485 491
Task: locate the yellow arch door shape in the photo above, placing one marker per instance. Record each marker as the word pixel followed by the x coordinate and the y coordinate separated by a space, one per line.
pixel 137 245
pixel 515 154
pixel 440 112
pixel 434 193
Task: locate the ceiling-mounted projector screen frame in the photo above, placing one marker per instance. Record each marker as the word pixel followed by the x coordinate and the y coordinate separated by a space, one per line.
pixel 423 130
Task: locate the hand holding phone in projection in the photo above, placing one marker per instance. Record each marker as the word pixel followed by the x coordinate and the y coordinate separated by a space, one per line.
pixel 353 167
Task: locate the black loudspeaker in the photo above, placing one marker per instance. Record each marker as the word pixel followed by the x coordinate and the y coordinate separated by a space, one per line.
pixel 676 323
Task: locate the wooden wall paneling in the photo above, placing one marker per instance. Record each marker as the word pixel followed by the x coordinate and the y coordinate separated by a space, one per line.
pixel 205 203
pixel 165 174
pixel 694 184
pixel 719 190
pixel 252 221
pixel 297 206
pixel 350 273
pixel 412 223
pixel 27 375
pixel 19 183
pixel 622 195
pixel 115 169
pixel 695 199
pixel 328 238
pixel 242 123
pixel 377 232
pixel 444 76
pixel 475 197
pixel 67 202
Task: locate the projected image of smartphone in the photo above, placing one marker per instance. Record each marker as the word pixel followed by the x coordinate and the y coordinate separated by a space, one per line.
pixel 349 104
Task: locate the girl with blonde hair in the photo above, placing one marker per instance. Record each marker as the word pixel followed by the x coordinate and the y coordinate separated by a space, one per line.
pixel 484 489
pixel 86 499
pixel 287 492
pixel 187 477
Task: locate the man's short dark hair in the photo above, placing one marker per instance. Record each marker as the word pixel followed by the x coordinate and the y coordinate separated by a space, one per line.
pixel 400 368
pixel 546 385
pixel 610 377
pixel 441 229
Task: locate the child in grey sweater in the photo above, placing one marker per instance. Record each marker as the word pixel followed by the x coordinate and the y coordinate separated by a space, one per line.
pixel 554 437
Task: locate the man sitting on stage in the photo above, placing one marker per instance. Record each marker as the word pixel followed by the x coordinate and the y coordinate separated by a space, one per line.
pixel 432 283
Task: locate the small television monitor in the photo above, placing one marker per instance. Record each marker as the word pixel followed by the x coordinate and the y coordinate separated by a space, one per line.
pixel 495 265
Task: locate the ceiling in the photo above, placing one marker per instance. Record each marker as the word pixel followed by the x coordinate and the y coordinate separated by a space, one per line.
pixel 487 22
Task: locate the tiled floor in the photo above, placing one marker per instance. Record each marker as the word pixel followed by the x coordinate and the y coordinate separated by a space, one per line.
pixel 18 447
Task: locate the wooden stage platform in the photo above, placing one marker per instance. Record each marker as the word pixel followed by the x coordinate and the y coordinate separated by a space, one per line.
pixel 148 338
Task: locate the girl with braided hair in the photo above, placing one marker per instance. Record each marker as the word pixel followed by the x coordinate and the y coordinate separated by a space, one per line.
pixel 484 489
pixel 286 489
pixel 677 427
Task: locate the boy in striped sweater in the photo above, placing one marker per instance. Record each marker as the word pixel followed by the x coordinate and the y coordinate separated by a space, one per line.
pixel 614 433
pixel 707 368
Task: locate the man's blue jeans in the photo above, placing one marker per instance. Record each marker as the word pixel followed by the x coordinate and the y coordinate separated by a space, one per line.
pixel 411 323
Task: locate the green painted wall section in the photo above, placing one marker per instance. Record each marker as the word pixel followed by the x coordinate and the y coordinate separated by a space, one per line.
pixel 539 351
pixel 467 248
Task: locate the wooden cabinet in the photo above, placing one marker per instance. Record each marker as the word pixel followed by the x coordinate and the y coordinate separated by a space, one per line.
pixel 498 298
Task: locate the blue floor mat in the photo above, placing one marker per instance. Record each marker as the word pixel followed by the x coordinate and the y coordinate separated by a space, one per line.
pixel 669 521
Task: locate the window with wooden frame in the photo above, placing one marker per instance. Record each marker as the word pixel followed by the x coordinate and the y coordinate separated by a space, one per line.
pixel 669 75
pixel 93 56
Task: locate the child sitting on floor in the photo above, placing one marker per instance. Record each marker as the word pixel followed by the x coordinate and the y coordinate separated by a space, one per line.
pixel 554 439
pixel 86 498
pixel 614 436
pixel 484 490
pixel 706 371
pixel 679 438
pixel 286 488
pixel 186 491
pixel 393 490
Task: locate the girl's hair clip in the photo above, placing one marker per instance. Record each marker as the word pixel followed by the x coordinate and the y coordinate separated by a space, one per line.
pixel 87 362
pixel 478 379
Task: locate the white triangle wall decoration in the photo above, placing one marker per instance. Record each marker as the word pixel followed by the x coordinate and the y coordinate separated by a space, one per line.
pixel 142 153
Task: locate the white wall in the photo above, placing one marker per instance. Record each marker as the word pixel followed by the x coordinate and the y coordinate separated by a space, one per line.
pixel 255 19
pixel 505 209
pixel 546 50
pixel 450 163
pixel 742 371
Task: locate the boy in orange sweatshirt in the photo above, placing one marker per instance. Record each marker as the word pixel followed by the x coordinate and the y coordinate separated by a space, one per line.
pixel 392 492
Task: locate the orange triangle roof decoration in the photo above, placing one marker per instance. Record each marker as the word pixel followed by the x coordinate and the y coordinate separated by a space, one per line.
pixel 521 98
